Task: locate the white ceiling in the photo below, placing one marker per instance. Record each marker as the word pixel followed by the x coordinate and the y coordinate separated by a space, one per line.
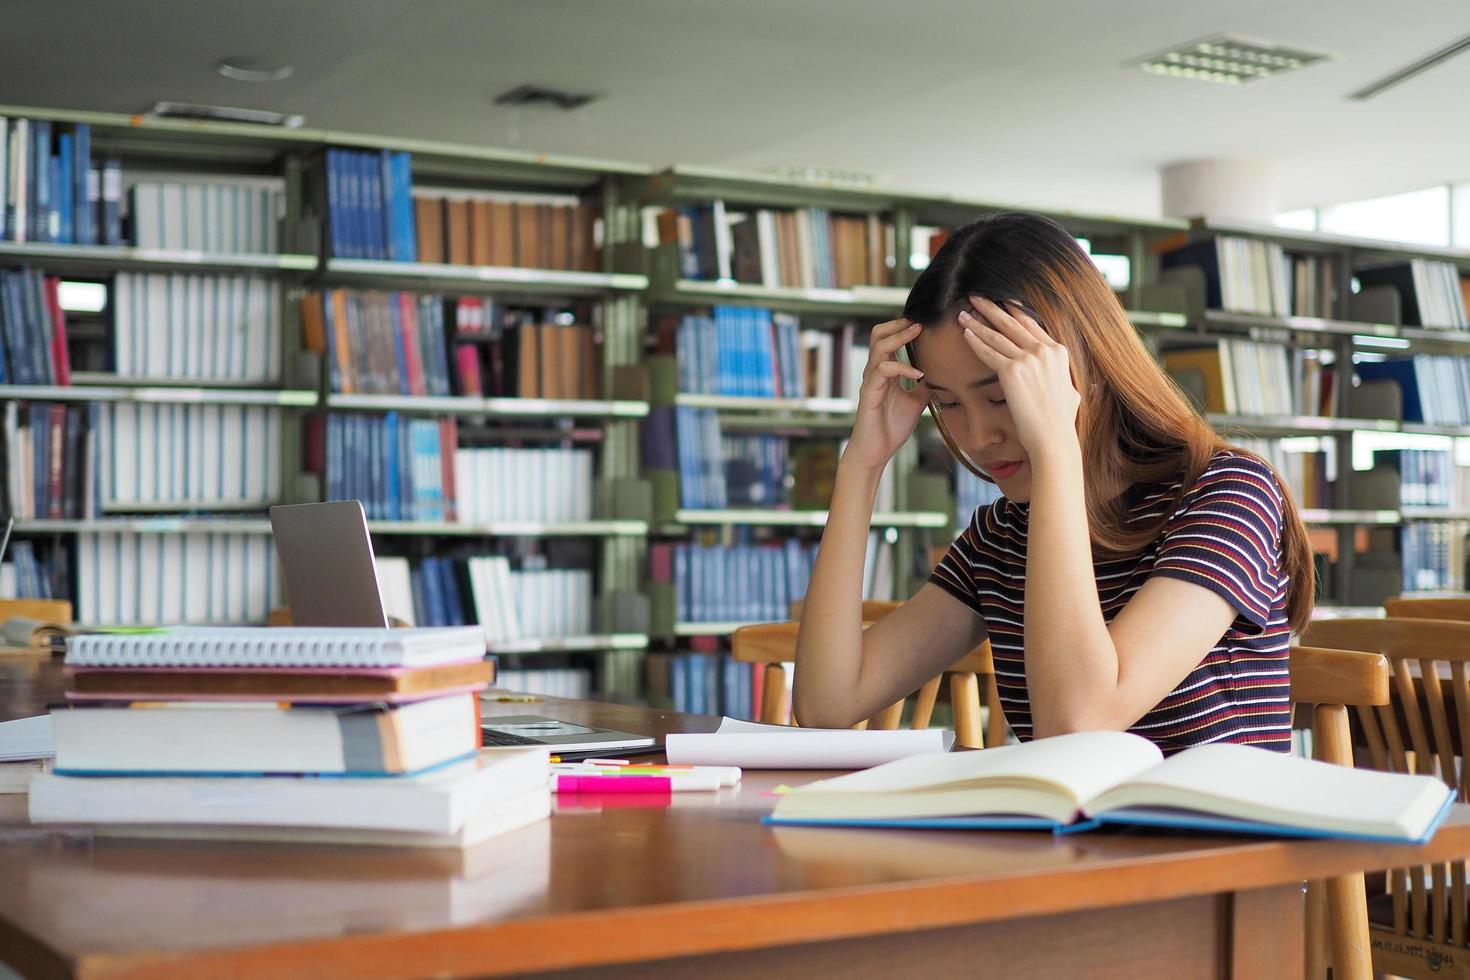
pixel 1017 102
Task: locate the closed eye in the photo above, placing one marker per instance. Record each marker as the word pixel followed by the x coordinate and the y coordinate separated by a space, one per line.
pixel 996 401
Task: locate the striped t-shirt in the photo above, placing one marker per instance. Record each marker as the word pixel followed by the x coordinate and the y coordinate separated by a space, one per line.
pixel 1225 535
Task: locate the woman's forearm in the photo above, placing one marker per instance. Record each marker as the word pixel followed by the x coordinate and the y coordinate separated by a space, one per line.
pixel 829 648
pixel 1071 663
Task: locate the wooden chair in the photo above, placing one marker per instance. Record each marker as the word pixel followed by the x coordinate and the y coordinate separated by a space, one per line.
pixel 1331 681
pixel 1418 915
pixel 774 644
pixel 1401 608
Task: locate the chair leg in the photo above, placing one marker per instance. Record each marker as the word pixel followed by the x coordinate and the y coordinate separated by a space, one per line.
pixel 774 707
pixel 964 696
pixel 887 719
pixel 1316 928
pixel 924 703
pixel 1347 925
pixel 995 725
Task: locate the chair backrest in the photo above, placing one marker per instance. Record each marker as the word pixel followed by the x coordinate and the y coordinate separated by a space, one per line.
pixel 774 646
pixel 1423 730
pixel 1401 608
pixel 1331 681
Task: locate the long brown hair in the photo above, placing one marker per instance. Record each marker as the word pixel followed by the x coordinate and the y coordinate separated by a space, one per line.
pixel 1134 424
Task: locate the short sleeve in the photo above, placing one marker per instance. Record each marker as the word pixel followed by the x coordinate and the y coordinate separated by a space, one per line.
pixel 955 572
pixel 1227 537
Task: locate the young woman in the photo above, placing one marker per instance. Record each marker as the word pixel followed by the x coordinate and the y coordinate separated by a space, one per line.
pixel 1137 574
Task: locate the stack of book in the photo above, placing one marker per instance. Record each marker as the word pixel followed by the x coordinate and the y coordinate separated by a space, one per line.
pixel 228 733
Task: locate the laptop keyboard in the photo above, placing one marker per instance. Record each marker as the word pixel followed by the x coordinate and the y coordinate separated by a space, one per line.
pixel 489 736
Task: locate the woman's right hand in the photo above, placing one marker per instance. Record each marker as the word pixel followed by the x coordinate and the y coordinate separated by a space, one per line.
pixel 886 414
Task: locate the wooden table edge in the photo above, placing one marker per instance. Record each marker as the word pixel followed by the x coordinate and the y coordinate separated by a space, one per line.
pixel 670 930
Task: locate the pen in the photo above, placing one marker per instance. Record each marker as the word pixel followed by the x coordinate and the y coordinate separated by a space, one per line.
pixel 633 784
pixel 727 775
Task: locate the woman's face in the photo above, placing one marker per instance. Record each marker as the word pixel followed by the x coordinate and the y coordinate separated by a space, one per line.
pixel 973 407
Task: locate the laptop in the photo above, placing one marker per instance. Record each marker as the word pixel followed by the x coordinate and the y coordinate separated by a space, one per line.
pixel 331 579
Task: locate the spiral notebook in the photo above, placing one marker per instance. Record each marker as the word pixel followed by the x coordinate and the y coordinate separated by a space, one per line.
pixel 247 646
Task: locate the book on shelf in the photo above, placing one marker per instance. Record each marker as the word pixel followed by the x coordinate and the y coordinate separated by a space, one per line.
pixel 378 343
pixel 1431 294
pixel 370 205
pixel 199 328
pixel 1083 779
pixel 807 247
pixel 1435 388
pixel 1309 474
pixel 33 328
pixel 753 352
pixel 1245 275
pixel 971 493
pixel 510 604
pixel 32 575
pixel 50 185
pixel 554 232
pixel 241 216
pixel 1428 477
pixel 508 354
pixel 1245 377
pixel 52 455
pixel 132 579
pixel 1432 556
pixel 753 582
pixel 400 468
pixel 704 683
pixel 189 456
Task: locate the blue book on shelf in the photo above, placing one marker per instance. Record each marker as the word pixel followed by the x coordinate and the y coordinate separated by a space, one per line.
pixel 336 199
pixel 388 210
pixel 403 170
pixel 372 178
pixel 39 179
pixel 84 224
pixel 65 165
pixel 390 500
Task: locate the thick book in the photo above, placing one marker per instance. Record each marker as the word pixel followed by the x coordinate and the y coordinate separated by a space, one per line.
pixel 301 684
pixel 446 802
pixel 1086 779
pixel 298 646
pixel 263 738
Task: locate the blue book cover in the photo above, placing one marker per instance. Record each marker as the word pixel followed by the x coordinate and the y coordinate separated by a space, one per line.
pixel 39 179
pixel 37 326
pixel 372 182
pixel 403 173
pixel 83 199
pixel 388 210
pixel 333 461
pixel 434 588
pixel 352 197
pixel 453 595
pixel 391 467
pixel 336 194
pixel 65 165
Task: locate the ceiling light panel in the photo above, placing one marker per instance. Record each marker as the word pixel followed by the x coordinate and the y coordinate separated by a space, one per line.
pixel 1227 60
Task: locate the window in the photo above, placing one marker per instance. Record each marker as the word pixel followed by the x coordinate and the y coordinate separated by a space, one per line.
pixel 1421 217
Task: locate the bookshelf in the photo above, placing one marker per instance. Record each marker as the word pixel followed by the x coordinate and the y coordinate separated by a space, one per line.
pixel 625 291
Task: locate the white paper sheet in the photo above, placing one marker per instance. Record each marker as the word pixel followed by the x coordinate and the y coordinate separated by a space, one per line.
pixel 27 738
pixel 754 746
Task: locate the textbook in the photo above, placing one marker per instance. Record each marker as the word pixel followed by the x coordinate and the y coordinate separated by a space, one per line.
pixel 259 737
pixel 317 685
pixel 1082 780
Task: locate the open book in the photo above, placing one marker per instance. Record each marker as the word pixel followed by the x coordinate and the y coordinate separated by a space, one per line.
pixel 1081 780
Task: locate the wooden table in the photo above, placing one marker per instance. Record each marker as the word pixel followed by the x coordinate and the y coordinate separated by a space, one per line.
pixel 643 889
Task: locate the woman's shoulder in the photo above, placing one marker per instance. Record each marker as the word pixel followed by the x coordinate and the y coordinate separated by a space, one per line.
pixel 1232 468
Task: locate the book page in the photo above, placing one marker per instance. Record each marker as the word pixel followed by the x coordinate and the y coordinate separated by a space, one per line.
pixel 754 746
pixel 1079 765
pixel 1255 784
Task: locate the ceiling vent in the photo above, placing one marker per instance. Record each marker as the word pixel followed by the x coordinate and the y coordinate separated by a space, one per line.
pixel 1227 60
pixel 536 97
pixel 223 113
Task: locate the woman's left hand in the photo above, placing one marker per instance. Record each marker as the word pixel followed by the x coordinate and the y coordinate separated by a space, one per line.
pixel 1033 371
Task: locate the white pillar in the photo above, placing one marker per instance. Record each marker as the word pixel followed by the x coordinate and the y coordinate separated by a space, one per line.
pixel 1235 190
